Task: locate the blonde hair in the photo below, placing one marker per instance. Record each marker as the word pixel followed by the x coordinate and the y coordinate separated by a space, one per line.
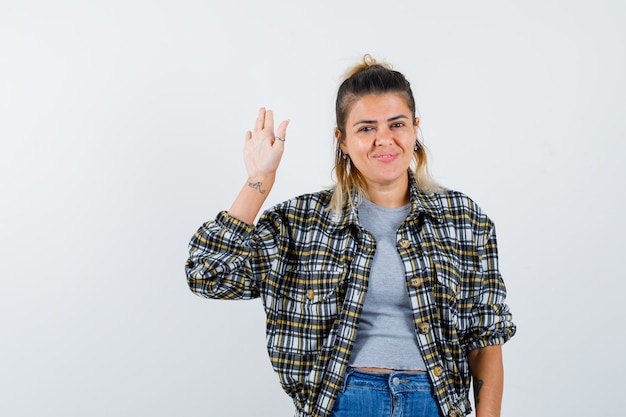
pixel 371 77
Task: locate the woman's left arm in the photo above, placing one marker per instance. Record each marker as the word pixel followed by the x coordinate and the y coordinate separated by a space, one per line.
pixel 489 323
pixel 488 379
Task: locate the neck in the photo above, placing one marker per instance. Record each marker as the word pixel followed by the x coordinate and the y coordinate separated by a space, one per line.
pixel 389 197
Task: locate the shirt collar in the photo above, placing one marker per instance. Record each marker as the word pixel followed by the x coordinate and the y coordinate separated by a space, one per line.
pixel 426 203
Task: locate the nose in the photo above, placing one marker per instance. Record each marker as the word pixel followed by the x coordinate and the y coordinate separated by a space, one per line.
pixel 384 137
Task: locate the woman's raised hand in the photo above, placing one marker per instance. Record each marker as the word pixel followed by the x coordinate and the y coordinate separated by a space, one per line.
pixel 261 154
pixel 262 151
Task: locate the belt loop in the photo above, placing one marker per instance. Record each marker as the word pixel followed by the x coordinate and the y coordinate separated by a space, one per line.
pixel 344 378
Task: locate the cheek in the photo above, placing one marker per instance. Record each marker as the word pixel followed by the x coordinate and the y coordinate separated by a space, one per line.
pixel 360 148
pixel 348 145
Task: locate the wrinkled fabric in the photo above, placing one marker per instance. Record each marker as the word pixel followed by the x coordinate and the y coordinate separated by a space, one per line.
pixel 310 268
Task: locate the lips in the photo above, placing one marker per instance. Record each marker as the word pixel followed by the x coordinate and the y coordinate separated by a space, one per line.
pixel 385 157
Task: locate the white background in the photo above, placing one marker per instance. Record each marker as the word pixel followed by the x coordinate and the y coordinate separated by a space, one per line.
pixel 121 127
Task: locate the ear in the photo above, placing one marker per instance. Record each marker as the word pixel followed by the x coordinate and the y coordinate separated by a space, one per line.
pixel 416 125
pixel 341 144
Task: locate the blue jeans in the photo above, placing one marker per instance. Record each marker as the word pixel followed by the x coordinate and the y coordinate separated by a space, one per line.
pixel 395 394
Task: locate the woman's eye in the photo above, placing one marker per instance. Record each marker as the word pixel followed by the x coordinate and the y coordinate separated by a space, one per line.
pixel 399 124
pixel 366 129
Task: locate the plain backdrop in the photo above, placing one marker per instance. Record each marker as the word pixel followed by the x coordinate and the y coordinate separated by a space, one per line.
pixel 121 129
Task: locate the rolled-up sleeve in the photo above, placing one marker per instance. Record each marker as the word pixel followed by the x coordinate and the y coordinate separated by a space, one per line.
pixel 226 259
pixel 492 318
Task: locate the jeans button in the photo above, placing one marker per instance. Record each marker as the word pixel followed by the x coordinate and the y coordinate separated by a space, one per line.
pixel 395 381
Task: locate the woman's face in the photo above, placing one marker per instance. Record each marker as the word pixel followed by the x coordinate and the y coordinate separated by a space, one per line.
pixel 380 139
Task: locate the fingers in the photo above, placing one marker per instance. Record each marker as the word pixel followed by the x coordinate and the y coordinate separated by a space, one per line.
pixel 269 121
pixel 265 122
pixel 282 129
pixel 259 123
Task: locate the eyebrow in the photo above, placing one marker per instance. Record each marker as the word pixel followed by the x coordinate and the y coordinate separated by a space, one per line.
pixel 370 122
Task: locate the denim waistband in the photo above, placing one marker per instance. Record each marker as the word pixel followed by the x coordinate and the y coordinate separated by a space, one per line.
pixel 396 381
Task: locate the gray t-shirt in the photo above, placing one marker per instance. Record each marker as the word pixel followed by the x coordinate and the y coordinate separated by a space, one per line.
pixel 386 334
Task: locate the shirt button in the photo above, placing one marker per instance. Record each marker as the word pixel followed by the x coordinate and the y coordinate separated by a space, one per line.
pixel 424 328
pixel 310 294
pixel 416 282
pixel 437 370
pixel 404 243
pixel 454 413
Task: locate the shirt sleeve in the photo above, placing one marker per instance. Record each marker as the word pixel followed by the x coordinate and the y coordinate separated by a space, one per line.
pixel 228 259
pixel 492 318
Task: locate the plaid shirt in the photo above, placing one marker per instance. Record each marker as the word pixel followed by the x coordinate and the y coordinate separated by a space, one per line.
pixel 311 269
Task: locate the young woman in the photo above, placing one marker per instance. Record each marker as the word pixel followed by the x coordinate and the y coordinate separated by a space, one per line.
pixel 383 294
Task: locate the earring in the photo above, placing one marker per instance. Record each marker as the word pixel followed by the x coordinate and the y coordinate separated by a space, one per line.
pixel 417 144
pixel 343 155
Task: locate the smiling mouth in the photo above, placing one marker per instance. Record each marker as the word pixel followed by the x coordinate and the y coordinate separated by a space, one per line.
pixel 385 157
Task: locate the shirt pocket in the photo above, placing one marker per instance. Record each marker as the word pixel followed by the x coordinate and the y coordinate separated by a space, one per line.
pixel 456 290
pixel 303 313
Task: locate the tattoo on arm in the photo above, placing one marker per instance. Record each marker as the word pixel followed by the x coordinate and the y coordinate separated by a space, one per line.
pixel 256 185
pixel 478 384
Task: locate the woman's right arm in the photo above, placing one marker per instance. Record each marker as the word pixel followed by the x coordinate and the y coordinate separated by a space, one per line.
pixel 262 154
pixel 225 259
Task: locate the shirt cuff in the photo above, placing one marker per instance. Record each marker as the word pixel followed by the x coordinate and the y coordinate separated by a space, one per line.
pixel 234 225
